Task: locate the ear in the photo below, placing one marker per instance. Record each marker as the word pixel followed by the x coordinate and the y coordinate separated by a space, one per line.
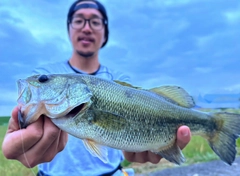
pixel 103 40
pixel 69 37
pixel 69 34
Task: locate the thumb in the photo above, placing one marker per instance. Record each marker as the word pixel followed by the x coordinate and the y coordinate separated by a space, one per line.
pixel 183 136
pixel 13 121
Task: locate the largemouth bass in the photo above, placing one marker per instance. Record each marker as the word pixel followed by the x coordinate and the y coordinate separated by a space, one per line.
pixel 118 115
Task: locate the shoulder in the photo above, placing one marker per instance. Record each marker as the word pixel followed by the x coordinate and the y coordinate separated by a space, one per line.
pixel 56 67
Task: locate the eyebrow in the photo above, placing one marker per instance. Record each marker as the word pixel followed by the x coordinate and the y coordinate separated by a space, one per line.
pixel 92 16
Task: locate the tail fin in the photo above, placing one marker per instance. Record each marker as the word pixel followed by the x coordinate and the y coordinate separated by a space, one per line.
pixel 223 141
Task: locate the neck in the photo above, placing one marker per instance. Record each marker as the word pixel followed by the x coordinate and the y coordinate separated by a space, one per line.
pixel 88 64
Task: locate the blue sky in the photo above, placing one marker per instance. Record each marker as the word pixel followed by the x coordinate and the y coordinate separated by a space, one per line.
pixel 190 43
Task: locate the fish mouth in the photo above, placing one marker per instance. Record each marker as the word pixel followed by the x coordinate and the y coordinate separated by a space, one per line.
pixel 71 114
pixel 77 110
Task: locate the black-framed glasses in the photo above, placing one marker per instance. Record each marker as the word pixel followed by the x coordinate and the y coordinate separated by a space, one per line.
pixel 94 23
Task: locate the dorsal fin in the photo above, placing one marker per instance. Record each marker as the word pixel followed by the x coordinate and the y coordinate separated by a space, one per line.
pixel 126 84
pixel 176 95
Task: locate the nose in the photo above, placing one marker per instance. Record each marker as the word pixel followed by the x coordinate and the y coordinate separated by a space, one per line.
pixel 86 27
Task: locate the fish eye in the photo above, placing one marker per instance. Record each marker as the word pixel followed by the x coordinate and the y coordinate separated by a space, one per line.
pixel 43 78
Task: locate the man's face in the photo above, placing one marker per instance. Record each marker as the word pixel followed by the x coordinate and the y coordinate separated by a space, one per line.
pixel 86 40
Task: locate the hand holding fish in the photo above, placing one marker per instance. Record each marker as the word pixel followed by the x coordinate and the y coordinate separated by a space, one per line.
pixel 36 144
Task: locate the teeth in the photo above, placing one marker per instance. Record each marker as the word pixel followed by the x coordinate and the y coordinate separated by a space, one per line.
pixel 85 39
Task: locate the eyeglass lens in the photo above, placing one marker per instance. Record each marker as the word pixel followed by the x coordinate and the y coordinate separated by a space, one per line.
pixel 79 23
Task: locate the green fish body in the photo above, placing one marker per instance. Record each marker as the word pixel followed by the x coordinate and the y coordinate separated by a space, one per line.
pixel 118 115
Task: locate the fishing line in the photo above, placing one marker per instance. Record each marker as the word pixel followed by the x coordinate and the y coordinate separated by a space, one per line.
pixel 24 154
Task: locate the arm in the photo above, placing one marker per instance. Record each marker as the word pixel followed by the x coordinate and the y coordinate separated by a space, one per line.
pixel 38 143
pixel 183 138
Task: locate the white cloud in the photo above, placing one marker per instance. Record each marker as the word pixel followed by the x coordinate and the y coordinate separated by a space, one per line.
pixel 235 88
pixel 203 69
pixel 233 16
pixel 204 40
pixel 168 3
pixel 37 16
pixel 156 81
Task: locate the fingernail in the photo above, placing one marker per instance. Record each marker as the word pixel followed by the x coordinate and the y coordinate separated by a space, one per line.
pixel 185 133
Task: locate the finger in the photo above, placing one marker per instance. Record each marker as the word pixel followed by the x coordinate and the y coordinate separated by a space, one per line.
pixel 13 121
pixel 62 140
pixel 141 157
pixel 21 140
pixel 129 156
pixel 50 133
pixel 45 155
pixel 154 158
pixel 57 146
pixel 47 145
pixel 183 136
pixel 133 157
pixel 52 150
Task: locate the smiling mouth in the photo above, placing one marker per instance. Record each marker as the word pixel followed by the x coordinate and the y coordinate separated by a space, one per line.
pixel 86 39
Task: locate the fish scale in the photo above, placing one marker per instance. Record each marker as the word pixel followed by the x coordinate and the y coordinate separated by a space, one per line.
pixel 116 114
pixel 137 114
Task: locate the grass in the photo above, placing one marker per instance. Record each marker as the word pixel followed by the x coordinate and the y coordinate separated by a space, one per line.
pixel 196 151
pixel 4 121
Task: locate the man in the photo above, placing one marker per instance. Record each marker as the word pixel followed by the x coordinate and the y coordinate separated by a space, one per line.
pixel 87 25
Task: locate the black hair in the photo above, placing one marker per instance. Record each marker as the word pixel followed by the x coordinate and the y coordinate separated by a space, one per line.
pixel 101 9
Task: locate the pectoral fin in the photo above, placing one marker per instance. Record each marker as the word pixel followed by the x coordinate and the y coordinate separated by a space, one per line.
pixel 172 154
pixel 96 150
